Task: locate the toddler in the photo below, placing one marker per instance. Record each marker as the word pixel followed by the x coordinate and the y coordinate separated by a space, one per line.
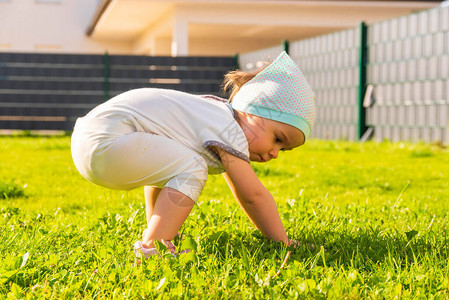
pixel 169 141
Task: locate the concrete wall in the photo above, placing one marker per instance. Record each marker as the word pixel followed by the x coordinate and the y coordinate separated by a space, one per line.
pixel 51 26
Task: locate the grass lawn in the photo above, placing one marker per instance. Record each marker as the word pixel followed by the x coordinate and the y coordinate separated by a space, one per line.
pixel 372 219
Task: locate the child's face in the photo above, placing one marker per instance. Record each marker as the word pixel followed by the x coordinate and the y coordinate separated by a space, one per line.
pixel 267 137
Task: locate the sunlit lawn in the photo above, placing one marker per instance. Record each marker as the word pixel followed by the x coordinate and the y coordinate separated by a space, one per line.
pixel 372 219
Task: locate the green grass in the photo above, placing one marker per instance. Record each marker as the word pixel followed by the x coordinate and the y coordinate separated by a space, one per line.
pixel 372 219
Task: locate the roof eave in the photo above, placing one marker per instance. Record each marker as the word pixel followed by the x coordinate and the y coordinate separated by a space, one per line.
pixel 101 8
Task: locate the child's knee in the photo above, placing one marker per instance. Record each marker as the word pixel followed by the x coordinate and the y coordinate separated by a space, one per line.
pixel 191 186
pixel 178 199
pixel 190 182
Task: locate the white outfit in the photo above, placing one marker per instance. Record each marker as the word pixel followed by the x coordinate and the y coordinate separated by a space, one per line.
pixel 156 137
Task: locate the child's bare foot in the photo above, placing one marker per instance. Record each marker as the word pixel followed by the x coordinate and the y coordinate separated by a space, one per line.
pixel 140 249
pixel 148 244
pixel 145 231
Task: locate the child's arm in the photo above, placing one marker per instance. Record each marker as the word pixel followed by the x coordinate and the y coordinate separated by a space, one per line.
pixel 253 197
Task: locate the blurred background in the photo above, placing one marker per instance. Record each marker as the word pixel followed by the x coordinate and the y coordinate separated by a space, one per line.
pixel 171 27
pixel 380 69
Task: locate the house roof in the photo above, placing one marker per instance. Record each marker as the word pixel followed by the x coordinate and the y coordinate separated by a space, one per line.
pixel 252 22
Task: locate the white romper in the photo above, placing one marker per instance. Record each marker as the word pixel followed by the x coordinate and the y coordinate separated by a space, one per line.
pixel 156 137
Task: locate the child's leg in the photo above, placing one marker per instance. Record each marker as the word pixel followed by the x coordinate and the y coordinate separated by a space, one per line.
pixel 151 194
pixel 170 211
pixel 142 159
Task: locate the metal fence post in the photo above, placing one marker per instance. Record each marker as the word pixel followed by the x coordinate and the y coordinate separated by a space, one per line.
pixel 106 73
pixel 286 46
pixel 235 61
pixel 361 126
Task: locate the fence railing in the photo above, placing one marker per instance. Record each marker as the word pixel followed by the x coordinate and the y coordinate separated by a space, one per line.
pixel 408 67
pixel 405 61
pixel 50 91
pixel 331 65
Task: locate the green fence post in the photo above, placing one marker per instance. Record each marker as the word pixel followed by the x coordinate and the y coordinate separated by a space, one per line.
pixel 235 61
pixel 363 49
pixel 286 46
pixel 106 72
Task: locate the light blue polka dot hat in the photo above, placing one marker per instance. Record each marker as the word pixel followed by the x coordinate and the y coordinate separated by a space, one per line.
pixel 281 93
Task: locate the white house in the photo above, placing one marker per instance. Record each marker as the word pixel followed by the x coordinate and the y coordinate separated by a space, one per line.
pixel 174 27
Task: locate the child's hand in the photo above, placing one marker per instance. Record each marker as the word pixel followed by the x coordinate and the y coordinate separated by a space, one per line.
pixel 296 244
pixel 293 243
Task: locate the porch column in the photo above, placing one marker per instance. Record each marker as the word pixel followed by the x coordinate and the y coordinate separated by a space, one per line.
pixel 180 37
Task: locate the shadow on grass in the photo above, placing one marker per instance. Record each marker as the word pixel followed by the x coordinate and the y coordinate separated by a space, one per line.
pixel 370 250
pixel 367 250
